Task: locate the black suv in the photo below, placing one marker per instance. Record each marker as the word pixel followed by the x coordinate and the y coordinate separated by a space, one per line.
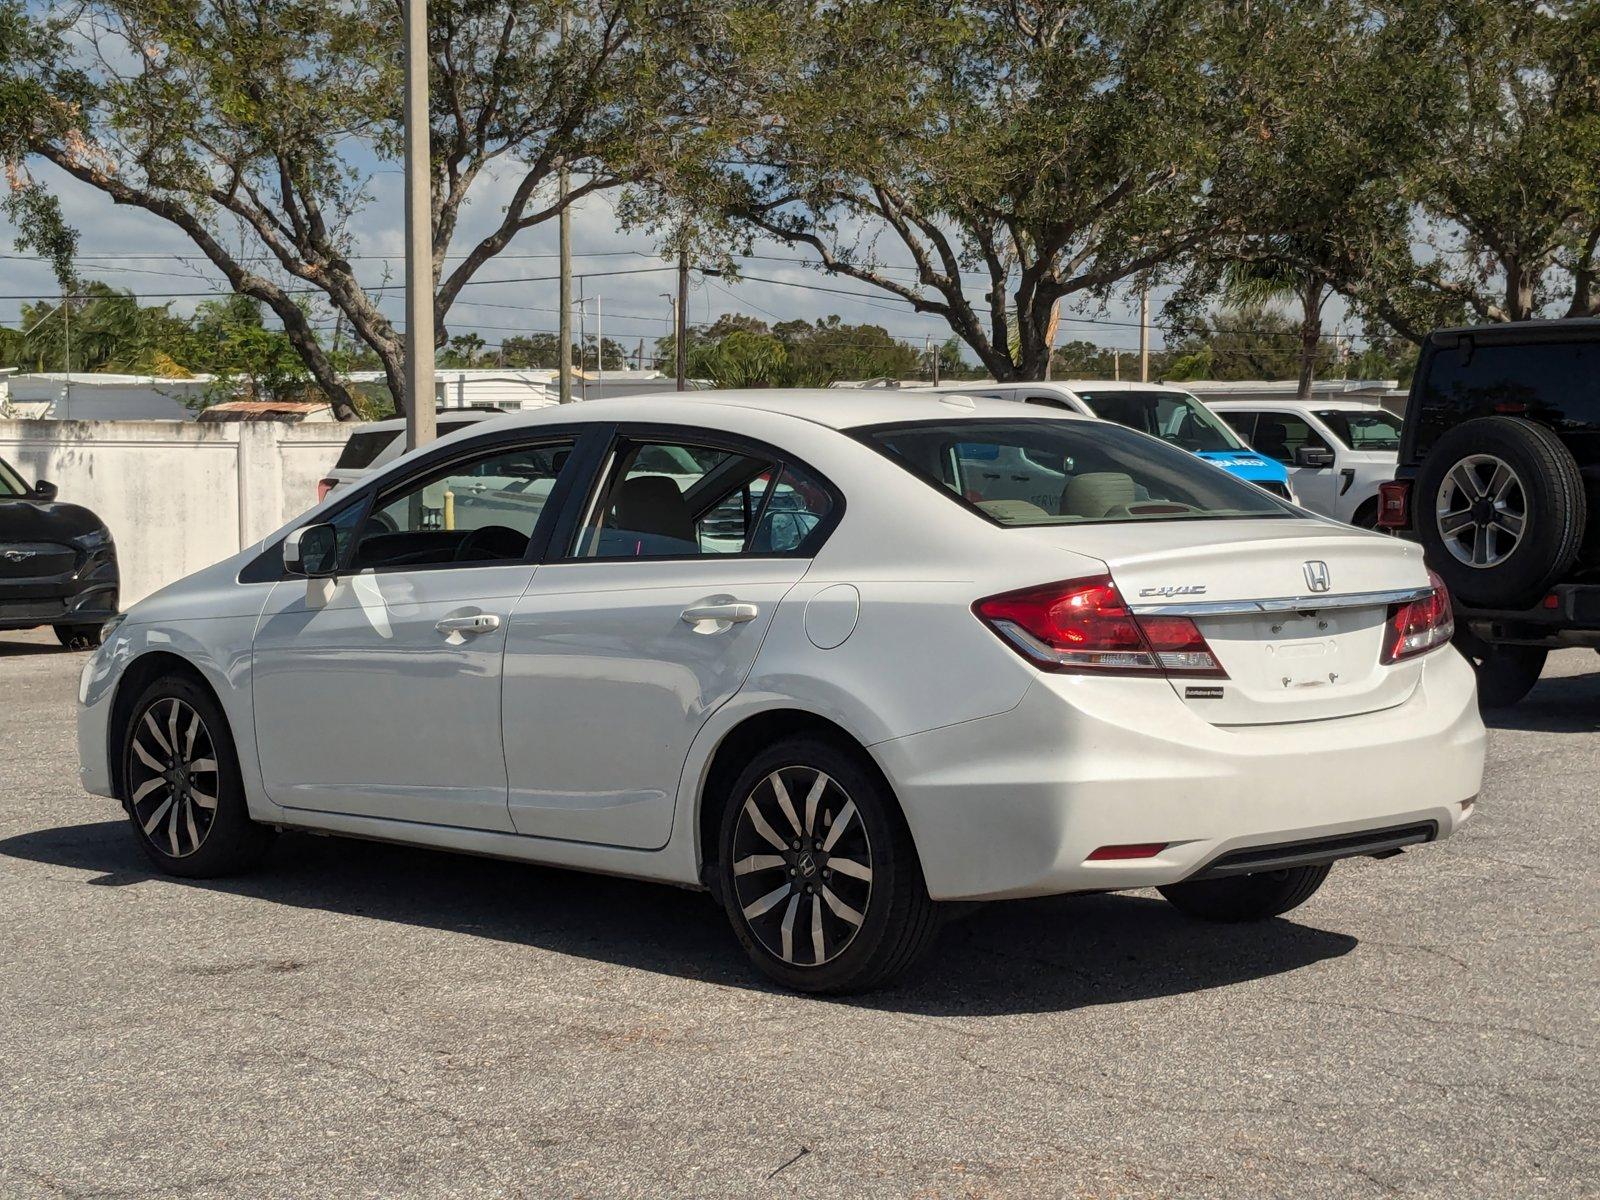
pixel 1499 470
pixel 58 566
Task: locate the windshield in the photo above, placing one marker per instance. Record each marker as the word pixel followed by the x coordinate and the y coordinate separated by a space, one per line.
pixel 11 484
pixel 1061 472
pixel 1363 429
pixel 1171 416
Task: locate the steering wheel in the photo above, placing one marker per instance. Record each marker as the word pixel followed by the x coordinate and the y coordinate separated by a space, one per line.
pixel 490 542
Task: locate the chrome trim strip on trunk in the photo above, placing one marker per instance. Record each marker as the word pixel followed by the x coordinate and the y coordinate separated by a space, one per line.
pixel 1224 608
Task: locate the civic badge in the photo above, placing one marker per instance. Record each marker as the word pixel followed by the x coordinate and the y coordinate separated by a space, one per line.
pixel 1317 577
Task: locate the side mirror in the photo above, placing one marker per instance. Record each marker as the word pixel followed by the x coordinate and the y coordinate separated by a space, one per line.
pixel 1313 456
pixel 312 551
pixel 45 490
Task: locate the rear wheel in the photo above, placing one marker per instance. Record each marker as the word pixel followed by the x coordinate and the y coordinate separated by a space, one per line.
pixel 1247 897
pixel 818 873
pixel 181 784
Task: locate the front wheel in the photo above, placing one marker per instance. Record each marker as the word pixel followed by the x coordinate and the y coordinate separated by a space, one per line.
pixel 1247 897
pixel 181 784
pixel 818 872
pixel 78 637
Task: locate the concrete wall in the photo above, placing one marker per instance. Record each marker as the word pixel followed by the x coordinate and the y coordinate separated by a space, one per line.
pixel 177 496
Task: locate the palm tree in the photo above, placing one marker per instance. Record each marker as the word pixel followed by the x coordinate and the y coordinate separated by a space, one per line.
pixel 1273 272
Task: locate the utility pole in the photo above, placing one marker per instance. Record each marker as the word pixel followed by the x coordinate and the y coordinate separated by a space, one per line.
pixel 680 319
pixel 420 397
pixel 564 324
pixel 1144 334
pixel 66 354
pixel 1116 365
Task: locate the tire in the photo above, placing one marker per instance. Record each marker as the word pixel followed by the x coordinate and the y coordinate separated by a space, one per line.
pixel 1506 673
pixel 78 637
pixel 1500 511
pixel 187 838
pixel 1247 897
pixel 777 907
pixel 1366 517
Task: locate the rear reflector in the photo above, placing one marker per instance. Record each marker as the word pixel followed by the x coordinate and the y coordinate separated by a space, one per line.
pixel 1419 626
pixel 1083 626
pixel 324 486
pixel 1141 850
pixel 1394 504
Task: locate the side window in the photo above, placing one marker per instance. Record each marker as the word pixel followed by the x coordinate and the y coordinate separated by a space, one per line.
pixel 668 500
pixel 1242 423
pixel 799 504
pixel 1280 434
pixel 1055 402
pixel 676 500
pixel 477 509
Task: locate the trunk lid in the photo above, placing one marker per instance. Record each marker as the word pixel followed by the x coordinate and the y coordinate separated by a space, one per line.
pixel 1295 611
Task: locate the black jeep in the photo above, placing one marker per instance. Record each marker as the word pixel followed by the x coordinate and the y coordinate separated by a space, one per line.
pixel 1499 470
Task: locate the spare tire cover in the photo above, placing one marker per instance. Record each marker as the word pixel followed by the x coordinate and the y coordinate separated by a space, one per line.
pixel 1500 510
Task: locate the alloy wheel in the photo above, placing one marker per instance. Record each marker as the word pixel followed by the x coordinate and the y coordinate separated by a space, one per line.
pixel 1482 510
pixel 802 866
pixel 173 777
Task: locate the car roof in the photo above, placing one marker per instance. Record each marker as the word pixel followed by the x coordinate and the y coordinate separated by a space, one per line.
pixel 1061 385
pixel 1311 403
pixel 1521 331
pixel 835 408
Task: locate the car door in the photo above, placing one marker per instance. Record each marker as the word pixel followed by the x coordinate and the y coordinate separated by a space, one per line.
pixel 1281 435
pixel 377 694
pixel 646 618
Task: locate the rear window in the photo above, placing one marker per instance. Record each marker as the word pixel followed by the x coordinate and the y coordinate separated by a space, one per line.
pixel 1171 416
pixel 1361 430
pixel 363 447
pixel 1554 383
pixel 1061 472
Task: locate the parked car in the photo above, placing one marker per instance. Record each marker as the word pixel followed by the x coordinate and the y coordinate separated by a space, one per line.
pixel 1169 413
pixel 58 565
pixel 1498 478
pixel 377 444
pixel 904 686
pixel 1336 452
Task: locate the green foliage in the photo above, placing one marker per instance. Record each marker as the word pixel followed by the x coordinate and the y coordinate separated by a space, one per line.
pixel 250 360
pixel 743 351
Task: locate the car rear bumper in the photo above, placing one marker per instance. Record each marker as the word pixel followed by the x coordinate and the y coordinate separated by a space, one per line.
pixel 1569 615
pixel 1013 805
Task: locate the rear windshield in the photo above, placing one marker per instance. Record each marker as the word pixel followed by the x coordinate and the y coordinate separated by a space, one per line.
pixel 1556 383
pixel 1063 472
pixel 1363 430
pixel 1171 416
pixel 363 447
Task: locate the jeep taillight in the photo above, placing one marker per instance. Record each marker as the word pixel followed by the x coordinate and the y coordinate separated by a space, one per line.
pixel 324 486
pixel 1420 625
pixel 1084 626
pixel 1394 504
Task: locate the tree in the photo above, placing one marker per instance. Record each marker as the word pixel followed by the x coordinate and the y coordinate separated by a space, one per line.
pixel 242 123
pixel 1050 151
pixel 248 358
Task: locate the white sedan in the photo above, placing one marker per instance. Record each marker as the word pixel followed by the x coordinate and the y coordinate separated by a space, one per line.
pixel 857 655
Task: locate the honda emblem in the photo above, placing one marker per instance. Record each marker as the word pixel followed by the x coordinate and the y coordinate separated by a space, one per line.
pixel 1317 577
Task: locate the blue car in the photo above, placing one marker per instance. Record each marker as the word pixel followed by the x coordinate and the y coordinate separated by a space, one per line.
pixel 1169 413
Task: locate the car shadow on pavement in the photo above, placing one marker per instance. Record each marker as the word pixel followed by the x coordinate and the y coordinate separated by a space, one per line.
pixel 1050 954
pixel 11 648
pixel 1557 704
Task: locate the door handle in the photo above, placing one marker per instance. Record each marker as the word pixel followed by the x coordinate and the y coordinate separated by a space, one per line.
pixel 468 626
pixel 735 613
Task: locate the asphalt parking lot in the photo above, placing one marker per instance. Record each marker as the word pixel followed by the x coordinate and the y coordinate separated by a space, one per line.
pixel 364 1020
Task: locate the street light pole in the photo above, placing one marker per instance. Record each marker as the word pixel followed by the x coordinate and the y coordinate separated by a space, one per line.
pixel 420 395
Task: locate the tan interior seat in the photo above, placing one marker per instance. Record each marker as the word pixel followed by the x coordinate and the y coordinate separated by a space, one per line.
pixel 1095 493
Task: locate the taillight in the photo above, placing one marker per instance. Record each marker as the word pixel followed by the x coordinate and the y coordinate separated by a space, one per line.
pixel 1419 626
pixel 1084 626
pixel 324 486
pixel 1394 504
